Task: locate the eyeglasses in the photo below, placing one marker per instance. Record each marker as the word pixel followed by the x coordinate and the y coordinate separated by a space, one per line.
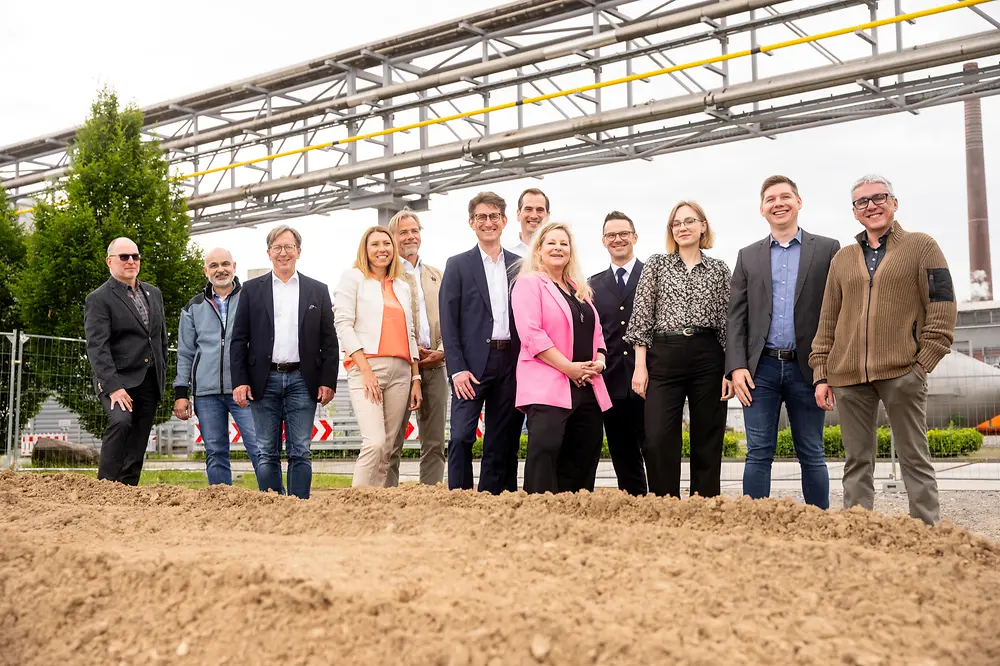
pixel 135 256
pixel 623 235
pixel 877 199
pixel 278 249
pixel 686 222
pixel 482 217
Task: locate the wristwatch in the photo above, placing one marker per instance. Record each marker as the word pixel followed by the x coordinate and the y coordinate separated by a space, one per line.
pixel 603 365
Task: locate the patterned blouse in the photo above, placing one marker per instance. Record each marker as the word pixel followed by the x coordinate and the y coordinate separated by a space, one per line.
pixel 668 298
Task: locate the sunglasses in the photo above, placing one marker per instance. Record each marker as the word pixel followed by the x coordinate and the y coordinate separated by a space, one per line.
pixel 125 257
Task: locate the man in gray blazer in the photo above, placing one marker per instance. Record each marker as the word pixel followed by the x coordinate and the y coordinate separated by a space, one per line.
pixel 777 291
pixel 127 347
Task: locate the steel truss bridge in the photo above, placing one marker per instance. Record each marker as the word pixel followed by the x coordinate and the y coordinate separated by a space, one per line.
pixel 542 86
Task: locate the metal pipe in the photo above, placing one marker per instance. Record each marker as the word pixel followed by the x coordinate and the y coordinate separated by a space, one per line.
pixel 980 264
pixel 932 55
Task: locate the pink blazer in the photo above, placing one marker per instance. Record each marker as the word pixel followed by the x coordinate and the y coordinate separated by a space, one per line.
pixel 544 320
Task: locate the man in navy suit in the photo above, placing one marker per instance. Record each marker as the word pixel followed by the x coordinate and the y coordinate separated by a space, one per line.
pixel 614 295
pixel 284 361
pixel 481 347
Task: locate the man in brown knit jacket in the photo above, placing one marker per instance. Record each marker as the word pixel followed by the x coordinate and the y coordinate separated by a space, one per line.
pixel 888 317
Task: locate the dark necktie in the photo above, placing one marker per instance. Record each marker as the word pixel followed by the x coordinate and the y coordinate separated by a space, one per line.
pixel 621 279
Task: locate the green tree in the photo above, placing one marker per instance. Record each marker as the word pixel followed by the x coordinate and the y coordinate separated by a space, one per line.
pixel 117 186
pixel 13 256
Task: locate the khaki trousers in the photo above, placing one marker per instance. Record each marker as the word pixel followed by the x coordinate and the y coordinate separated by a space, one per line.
pixel 905 399
pixel 430 419
pixel 378 423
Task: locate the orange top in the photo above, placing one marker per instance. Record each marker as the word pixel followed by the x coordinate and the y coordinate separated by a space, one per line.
pixel 393 340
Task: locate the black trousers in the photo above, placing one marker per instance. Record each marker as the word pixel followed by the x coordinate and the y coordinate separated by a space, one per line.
pixel 564 445
pixel 124 445
pixel 685 367
pixel 496 390
pixel 624 425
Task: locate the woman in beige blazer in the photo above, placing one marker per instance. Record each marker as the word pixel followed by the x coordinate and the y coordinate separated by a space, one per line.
pixel 374 322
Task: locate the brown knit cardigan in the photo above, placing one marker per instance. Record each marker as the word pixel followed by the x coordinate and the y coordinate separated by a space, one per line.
pixel 877 328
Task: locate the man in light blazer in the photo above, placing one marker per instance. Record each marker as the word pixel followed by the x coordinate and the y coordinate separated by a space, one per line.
pixel 283 360
pixel 127 348
pixel 774 307
pixel 425 285
pixel 481 347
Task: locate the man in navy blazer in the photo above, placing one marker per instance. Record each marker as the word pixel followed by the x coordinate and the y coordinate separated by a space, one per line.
pixel 481 347
pixel 284 360
pixel 614 296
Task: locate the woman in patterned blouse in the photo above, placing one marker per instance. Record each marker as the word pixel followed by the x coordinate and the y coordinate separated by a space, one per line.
pixel 678 328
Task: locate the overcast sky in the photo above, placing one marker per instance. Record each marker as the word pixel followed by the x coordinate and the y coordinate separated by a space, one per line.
pixel 57 55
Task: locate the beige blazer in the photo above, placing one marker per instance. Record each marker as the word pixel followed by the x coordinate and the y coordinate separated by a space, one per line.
pixel 430 281
pixel 357 312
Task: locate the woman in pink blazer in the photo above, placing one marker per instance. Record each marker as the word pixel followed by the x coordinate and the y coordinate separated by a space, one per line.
pixel 559 383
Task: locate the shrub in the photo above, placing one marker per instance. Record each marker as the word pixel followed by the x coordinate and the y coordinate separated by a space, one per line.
pixel 942 443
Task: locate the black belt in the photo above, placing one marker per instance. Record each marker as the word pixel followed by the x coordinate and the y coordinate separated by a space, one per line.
pixel 686 332
pixel 500 344
pixel 285 367
pixel 781 354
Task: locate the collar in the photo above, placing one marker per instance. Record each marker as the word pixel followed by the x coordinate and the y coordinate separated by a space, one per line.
pixel 125 286
pixel 862 238
pixel 796 237
pixel 276 279
pixel 410 268
pixel 487 259
pixel 676 258
pixel 210 292
pixel 629 266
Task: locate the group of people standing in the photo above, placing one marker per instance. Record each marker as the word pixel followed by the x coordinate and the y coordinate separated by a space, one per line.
pixel 519 333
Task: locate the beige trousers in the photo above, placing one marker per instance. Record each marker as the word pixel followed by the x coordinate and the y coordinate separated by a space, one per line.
pixel 430 419
pixel 905 399
pixel 378 423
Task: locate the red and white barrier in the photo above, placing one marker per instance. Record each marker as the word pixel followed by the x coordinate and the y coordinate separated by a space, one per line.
pixel 28 441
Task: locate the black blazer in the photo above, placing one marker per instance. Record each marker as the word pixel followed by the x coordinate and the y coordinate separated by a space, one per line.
pixel 615 310
pixel 253 336
pixel 466 315
pixel 750 301
pixel 119 347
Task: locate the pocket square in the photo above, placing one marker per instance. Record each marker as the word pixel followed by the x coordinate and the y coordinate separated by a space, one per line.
pixel 312 307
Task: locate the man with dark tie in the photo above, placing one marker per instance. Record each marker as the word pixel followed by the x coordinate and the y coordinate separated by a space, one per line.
pixel 614 295
pixel 481 347
pixel 127 348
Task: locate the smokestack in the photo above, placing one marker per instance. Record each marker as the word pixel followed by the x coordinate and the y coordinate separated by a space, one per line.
pixel 980 266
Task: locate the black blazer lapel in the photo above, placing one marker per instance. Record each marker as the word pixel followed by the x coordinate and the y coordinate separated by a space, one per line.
pixel 268 296
pixel 303 302
pixel 764 261
pixel 633 279
pixel 479 274
pixel 119 291
pixel 805 261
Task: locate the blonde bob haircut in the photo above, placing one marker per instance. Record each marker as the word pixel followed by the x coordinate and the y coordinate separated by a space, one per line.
pixel 707 238
pixel 532 262
pixel 395 268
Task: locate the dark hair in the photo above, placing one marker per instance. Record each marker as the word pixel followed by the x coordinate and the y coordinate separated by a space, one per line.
pixel 778 180
pixel 490 199
pixel 534 190
pixel 617 215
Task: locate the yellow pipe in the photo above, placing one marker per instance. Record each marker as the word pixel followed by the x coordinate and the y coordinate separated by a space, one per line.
pixel 593 86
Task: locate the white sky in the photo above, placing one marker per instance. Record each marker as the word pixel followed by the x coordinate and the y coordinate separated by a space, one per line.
pixel 56 55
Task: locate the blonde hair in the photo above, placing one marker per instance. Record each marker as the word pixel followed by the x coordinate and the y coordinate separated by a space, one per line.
pixel 394 270
pixel 532 261
pixel 707 238
pixel 405 214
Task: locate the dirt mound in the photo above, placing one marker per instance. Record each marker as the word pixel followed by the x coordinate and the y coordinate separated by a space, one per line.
pixel 98 573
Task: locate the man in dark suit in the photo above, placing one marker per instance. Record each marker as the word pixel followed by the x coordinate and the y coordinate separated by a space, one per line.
pixel 481 347
pixel 614 295
pixel 777 291
pixel 127 348
pixel 284 360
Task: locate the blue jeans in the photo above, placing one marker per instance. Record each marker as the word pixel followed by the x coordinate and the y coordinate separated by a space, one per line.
pixel 775 382
pixel 213 416
pixel 286 399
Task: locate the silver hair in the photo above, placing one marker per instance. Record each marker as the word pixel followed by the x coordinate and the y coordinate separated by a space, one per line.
pixel 280 229
pixel 872 179
pixel 404 214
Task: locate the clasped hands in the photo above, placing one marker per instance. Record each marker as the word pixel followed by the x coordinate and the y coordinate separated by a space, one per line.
pixel 582 372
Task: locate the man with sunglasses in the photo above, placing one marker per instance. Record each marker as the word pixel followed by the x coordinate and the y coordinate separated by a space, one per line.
pixel 481 348
pixel 127 349
pixel 888 318
pixel 614 296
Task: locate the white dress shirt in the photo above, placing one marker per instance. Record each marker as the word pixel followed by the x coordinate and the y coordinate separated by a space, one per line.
pixel 496 283
pixel 521 249
pixel 629 267
pixel 286 319
pixel 423 326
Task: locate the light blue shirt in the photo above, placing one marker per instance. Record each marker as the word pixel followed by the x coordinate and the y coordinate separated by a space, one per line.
pixel 784 273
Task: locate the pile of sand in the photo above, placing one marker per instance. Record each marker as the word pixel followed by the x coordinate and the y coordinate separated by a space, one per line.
pixel 97 573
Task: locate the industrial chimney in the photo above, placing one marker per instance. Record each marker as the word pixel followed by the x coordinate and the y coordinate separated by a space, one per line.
pixel 980 266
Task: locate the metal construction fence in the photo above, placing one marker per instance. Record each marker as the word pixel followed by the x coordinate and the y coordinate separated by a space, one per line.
pixel 53 417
